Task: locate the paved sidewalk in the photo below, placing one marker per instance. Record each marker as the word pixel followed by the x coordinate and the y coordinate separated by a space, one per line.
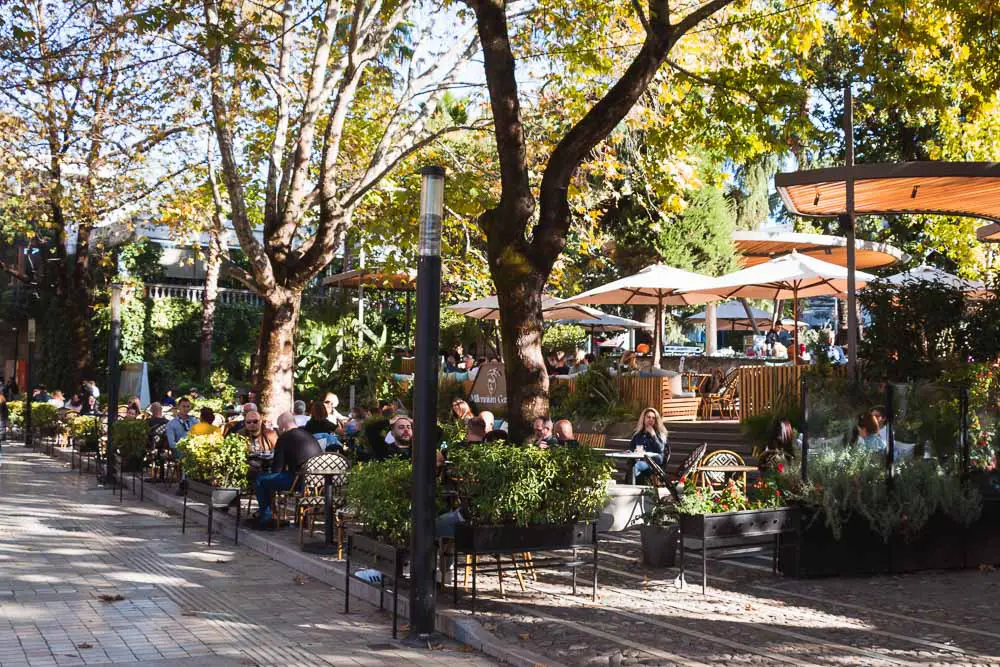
pixel 68 550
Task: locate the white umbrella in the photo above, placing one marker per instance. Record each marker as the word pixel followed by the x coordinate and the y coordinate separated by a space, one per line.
pixel 734 313
pixel 488 308
pixel 605 321
pixel 932 274
pixel 788 277
pixel 655 285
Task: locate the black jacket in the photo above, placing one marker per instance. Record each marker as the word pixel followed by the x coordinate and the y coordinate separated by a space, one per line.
pixel 294 447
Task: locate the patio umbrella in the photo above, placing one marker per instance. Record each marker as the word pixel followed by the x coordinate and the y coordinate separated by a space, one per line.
pixel 932 274
pixel 605 321
pixel 488 308
pixel 734 313
pixel 655 285
pixel 789 277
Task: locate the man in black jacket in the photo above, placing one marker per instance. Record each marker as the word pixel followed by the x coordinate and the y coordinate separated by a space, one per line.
pixel 295 446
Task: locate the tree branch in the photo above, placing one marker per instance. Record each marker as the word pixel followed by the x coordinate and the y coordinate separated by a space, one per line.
pixel 15 273
pixel 714 84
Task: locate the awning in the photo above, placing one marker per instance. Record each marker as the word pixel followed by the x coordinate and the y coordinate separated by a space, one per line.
pixel 760 247
pixel 969 189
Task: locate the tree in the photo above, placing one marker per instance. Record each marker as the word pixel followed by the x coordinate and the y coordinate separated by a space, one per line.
pixel 312 106
pixel 520 264
pixel 92 102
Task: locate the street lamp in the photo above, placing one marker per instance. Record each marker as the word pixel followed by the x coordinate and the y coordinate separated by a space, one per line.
pixel 113 339
pixel 425 393
pixel 27 391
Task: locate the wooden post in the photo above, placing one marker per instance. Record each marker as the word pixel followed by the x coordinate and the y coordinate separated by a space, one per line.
pixel 852 298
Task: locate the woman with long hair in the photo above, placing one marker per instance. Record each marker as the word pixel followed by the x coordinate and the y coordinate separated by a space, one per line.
pixel 461 411
pixel 866 433
pixel 780 445
pixel 649 437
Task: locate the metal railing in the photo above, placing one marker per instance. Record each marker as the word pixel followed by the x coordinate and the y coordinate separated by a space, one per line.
pixel 194 294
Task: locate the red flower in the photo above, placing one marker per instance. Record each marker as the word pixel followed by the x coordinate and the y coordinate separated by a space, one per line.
pixel 777 492
pixel 684 479
pixel 781 467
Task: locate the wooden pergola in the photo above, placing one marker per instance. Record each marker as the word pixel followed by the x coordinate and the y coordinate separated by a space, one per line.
pixel 967 189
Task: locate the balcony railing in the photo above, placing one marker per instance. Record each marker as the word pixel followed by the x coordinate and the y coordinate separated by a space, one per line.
pixel 194 294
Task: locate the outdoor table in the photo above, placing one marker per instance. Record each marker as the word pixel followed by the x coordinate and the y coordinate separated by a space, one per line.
pixel 327 547
pixel 627 456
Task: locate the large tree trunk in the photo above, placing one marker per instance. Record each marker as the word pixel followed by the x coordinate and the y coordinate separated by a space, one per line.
pixel 213 266
pixel 519 291
pixel 275 375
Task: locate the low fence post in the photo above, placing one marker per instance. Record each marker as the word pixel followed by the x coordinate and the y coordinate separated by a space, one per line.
pixel 804 398
pixel 890 414
pixel 963 407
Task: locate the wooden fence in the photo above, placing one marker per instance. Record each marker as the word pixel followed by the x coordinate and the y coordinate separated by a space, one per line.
pixel 763 388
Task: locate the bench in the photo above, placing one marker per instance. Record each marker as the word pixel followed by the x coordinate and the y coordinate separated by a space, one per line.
pixel 593 440
pixel 681 409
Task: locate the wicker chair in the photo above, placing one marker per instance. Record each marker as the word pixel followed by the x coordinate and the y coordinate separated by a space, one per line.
pixel 726 399
pixel 717 480
pixel 307 492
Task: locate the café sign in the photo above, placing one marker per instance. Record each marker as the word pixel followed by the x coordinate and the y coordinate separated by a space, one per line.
pixel 489 391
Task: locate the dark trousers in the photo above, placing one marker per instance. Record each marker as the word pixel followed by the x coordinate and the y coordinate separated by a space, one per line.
pixel 267 484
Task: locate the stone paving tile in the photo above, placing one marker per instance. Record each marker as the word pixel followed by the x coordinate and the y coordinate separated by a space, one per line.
pixel 64 543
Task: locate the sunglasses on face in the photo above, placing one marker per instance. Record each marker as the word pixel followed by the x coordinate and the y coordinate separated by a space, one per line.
pixel 252 422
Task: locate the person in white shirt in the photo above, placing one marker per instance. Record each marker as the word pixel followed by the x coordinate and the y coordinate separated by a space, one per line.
pixel 299 410
pixel 57 401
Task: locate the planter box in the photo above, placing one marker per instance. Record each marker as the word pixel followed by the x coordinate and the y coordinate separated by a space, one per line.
pixel 218 497
pixel 731 529
pixel 940 545
pixel 987 482
pixel 859 551
pixel 982 546
pixel 625 506
pixel 659 545
pixel 471 538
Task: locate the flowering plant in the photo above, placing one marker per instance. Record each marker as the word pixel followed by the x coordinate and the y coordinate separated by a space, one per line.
pixel 766 493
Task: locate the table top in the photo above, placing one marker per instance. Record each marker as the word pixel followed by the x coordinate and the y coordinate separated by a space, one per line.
pixel 732 468
pixel 625 455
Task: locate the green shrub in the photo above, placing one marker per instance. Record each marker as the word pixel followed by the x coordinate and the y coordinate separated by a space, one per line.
pixel 16 411
pixel 131 438
pixel 596 397
pixel 503 484
pixel 214 459
pixel 86 430
pixel 566 337
pixel 43 416
pixel 379 495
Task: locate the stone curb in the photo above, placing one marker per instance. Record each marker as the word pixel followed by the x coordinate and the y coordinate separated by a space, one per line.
pixel 449 622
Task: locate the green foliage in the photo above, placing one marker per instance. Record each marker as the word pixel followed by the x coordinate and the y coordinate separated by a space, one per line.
pixel 852 481
pixel 758 429
pixel 141 260
pixel 700 238
pixel 16 412
pixel 596 397
pixel 219 381
pixel 379 495
pixel 503 484
pixel 84 427
pixel 916 329
pixel 330 358
pixel 214 459
pixel 43 416
pixel 455 329
pixel 131 438
pixel 565 337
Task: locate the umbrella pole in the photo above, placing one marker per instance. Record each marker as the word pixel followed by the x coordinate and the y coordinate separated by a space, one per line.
pixel 795 324
pixel 658 332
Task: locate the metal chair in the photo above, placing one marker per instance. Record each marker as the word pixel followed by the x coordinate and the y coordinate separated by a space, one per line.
pixel 661 478
pixel 307 491
pixel 726 399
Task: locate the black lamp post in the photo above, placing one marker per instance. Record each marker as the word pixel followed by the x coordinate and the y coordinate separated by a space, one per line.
pixel 27 379
pixel 113 340
pixel 425 393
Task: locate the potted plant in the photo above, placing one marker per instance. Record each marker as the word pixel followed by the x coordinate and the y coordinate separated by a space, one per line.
pixel 659 532
pixel 528 499
pixel 131 438
pixel 379 498
pixel 85 432
pixel 216 466
pixel 44 418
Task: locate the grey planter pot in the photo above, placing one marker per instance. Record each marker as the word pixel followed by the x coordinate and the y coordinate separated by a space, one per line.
pixel 219 498
pixel 659 545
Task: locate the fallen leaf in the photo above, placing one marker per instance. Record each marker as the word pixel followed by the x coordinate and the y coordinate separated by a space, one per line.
pixel 749 607
pixel 300 580
pixel 85 645
pixel 105 597
pixel 524 637
pixel 986 568
pixel 189 613
pixel 466 649
pixel 222 560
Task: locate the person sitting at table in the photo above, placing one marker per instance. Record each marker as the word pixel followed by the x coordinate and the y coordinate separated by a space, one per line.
pixel 866 435
pixel 294 447
pixel 206 423
pixel 460 410
pixel 475 432
pixel 260 438
pixel 780 446
pixel 649 437
pixel 319 421
pixel 543 433
pixel 563 431
pixel 237 424
pixel 330 402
